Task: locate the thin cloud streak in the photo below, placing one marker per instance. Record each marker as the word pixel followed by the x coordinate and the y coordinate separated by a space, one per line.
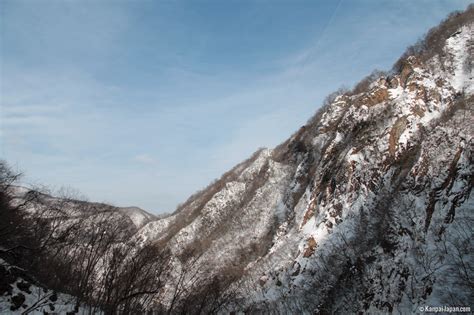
pixel 75 123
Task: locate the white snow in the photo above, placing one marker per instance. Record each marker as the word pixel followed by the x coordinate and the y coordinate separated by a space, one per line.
pixel 457 46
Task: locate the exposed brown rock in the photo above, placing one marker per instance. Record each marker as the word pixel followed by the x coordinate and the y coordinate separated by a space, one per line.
pixel 407 69
pixel 395 134
pixel 405 74
pixel 433 95
pixel 418 111
pixel 412 86
pixel 309 212
pixel 376 96
pixel 393 83
pixel 311 247
pixel 379 96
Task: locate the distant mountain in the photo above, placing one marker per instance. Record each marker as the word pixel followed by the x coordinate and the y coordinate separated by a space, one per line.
pixel 76 207
pixel 367 208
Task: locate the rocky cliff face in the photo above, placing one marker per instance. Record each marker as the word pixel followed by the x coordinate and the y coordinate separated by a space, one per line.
pixel 367 207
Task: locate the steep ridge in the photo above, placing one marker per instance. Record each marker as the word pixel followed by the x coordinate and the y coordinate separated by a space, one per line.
pixel 367 207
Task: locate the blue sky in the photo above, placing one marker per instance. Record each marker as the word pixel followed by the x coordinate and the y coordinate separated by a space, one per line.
pixel 144 102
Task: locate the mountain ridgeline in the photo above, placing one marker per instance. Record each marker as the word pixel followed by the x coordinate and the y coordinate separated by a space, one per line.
pixel 367 208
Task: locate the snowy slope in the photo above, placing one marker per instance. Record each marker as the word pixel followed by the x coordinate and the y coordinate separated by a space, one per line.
pixel 21 294
pixel 138 216
pixel 363 209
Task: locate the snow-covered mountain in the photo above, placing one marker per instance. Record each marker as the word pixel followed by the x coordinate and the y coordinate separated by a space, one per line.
pixel 135 217
pixel 366 208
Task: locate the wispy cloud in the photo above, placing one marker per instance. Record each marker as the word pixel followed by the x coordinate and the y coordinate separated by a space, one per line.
pixel 139 105
pixel 145 159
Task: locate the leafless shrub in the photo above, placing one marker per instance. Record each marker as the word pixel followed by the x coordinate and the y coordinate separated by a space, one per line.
pixel 434 41
pixel 363 85
pixel 10 217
